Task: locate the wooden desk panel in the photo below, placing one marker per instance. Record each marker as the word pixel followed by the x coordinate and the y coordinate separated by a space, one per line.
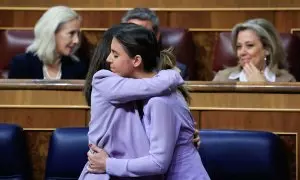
pixel 252 120
pixel 44 98
pixel 44 118
pixel 244 101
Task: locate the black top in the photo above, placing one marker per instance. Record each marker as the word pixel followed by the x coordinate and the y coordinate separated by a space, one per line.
pixel 29 66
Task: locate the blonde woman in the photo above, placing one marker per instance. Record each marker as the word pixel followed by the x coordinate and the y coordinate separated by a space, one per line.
pixel 51 55
pixel 260 54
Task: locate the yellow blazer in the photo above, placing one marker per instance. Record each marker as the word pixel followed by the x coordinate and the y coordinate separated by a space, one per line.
pixel 223 76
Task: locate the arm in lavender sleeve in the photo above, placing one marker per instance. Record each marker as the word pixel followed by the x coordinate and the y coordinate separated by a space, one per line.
pixel 117 89
pixel 163 137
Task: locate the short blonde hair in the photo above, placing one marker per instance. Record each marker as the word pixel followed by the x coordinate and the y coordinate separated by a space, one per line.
pixel 44 45
pixel 268 36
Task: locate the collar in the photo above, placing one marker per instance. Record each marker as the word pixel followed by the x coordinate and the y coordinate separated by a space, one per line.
pixel 269 75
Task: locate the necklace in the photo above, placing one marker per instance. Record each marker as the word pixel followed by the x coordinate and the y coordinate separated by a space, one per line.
pixel 47 76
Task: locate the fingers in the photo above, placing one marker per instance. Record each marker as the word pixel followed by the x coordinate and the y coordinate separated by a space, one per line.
pixel 90 155
pixel 196 140
pixel 247 69
pixel 250 68
pixel 198 144
pixel 94 170
pixel 91 158
pixel 91 163
pixel 252 73
pixel 90 169
pixel 253 67
pixel 95 148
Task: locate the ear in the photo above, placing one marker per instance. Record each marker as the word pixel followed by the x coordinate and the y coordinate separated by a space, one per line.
pixel 267 52
pixel 137 61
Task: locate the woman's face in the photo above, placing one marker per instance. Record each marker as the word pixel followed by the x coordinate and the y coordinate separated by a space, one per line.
pixel 119 61
pixel 67 37
pixel 250 49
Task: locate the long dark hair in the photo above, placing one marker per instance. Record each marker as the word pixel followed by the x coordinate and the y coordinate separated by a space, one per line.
pixel 98 60
pixel 137 40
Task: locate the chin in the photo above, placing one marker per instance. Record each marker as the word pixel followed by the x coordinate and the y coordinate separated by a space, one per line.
pixel 241 64
pixel 64 54
pixel 68 54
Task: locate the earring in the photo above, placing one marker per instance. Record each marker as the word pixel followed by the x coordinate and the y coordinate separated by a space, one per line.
pixel 266 61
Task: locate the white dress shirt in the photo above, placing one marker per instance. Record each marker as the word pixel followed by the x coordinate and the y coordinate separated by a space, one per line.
pixel 269 75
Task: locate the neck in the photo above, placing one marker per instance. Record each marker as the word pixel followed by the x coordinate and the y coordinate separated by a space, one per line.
pixel 56 63
pixel 139 75
pixel 261 65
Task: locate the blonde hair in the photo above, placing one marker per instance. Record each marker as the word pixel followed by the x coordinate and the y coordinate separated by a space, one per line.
pixel 44 44
pixel 268 37
pixel 168 61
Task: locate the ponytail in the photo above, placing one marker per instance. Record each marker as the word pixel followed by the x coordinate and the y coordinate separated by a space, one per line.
pixel 168 61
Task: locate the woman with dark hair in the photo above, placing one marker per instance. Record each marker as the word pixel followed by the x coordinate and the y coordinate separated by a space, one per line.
pixel 166 119
pixel 98 61
pixel 115 123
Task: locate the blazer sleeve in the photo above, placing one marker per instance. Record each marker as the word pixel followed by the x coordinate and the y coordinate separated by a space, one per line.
pixel 285 76
pixel 223 76
pixel 217 77
pixel 18 68
pixel 117 89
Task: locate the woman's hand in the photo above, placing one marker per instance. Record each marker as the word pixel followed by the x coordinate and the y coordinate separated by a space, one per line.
pixel 96 159
pixel 196 139
pixel 253 74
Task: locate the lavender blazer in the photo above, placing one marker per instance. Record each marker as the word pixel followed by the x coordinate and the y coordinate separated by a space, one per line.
pixel 115 123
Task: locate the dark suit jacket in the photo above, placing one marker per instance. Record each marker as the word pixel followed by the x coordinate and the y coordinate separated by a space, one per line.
pixel 183 70
pixel 29 66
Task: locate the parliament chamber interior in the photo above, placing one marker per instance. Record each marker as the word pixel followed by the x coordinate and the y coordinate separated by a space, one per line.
pixel 247 130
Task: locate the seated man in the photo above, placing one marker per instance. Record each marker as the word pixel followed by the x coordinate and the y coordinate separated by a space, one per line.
pixel 147 18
